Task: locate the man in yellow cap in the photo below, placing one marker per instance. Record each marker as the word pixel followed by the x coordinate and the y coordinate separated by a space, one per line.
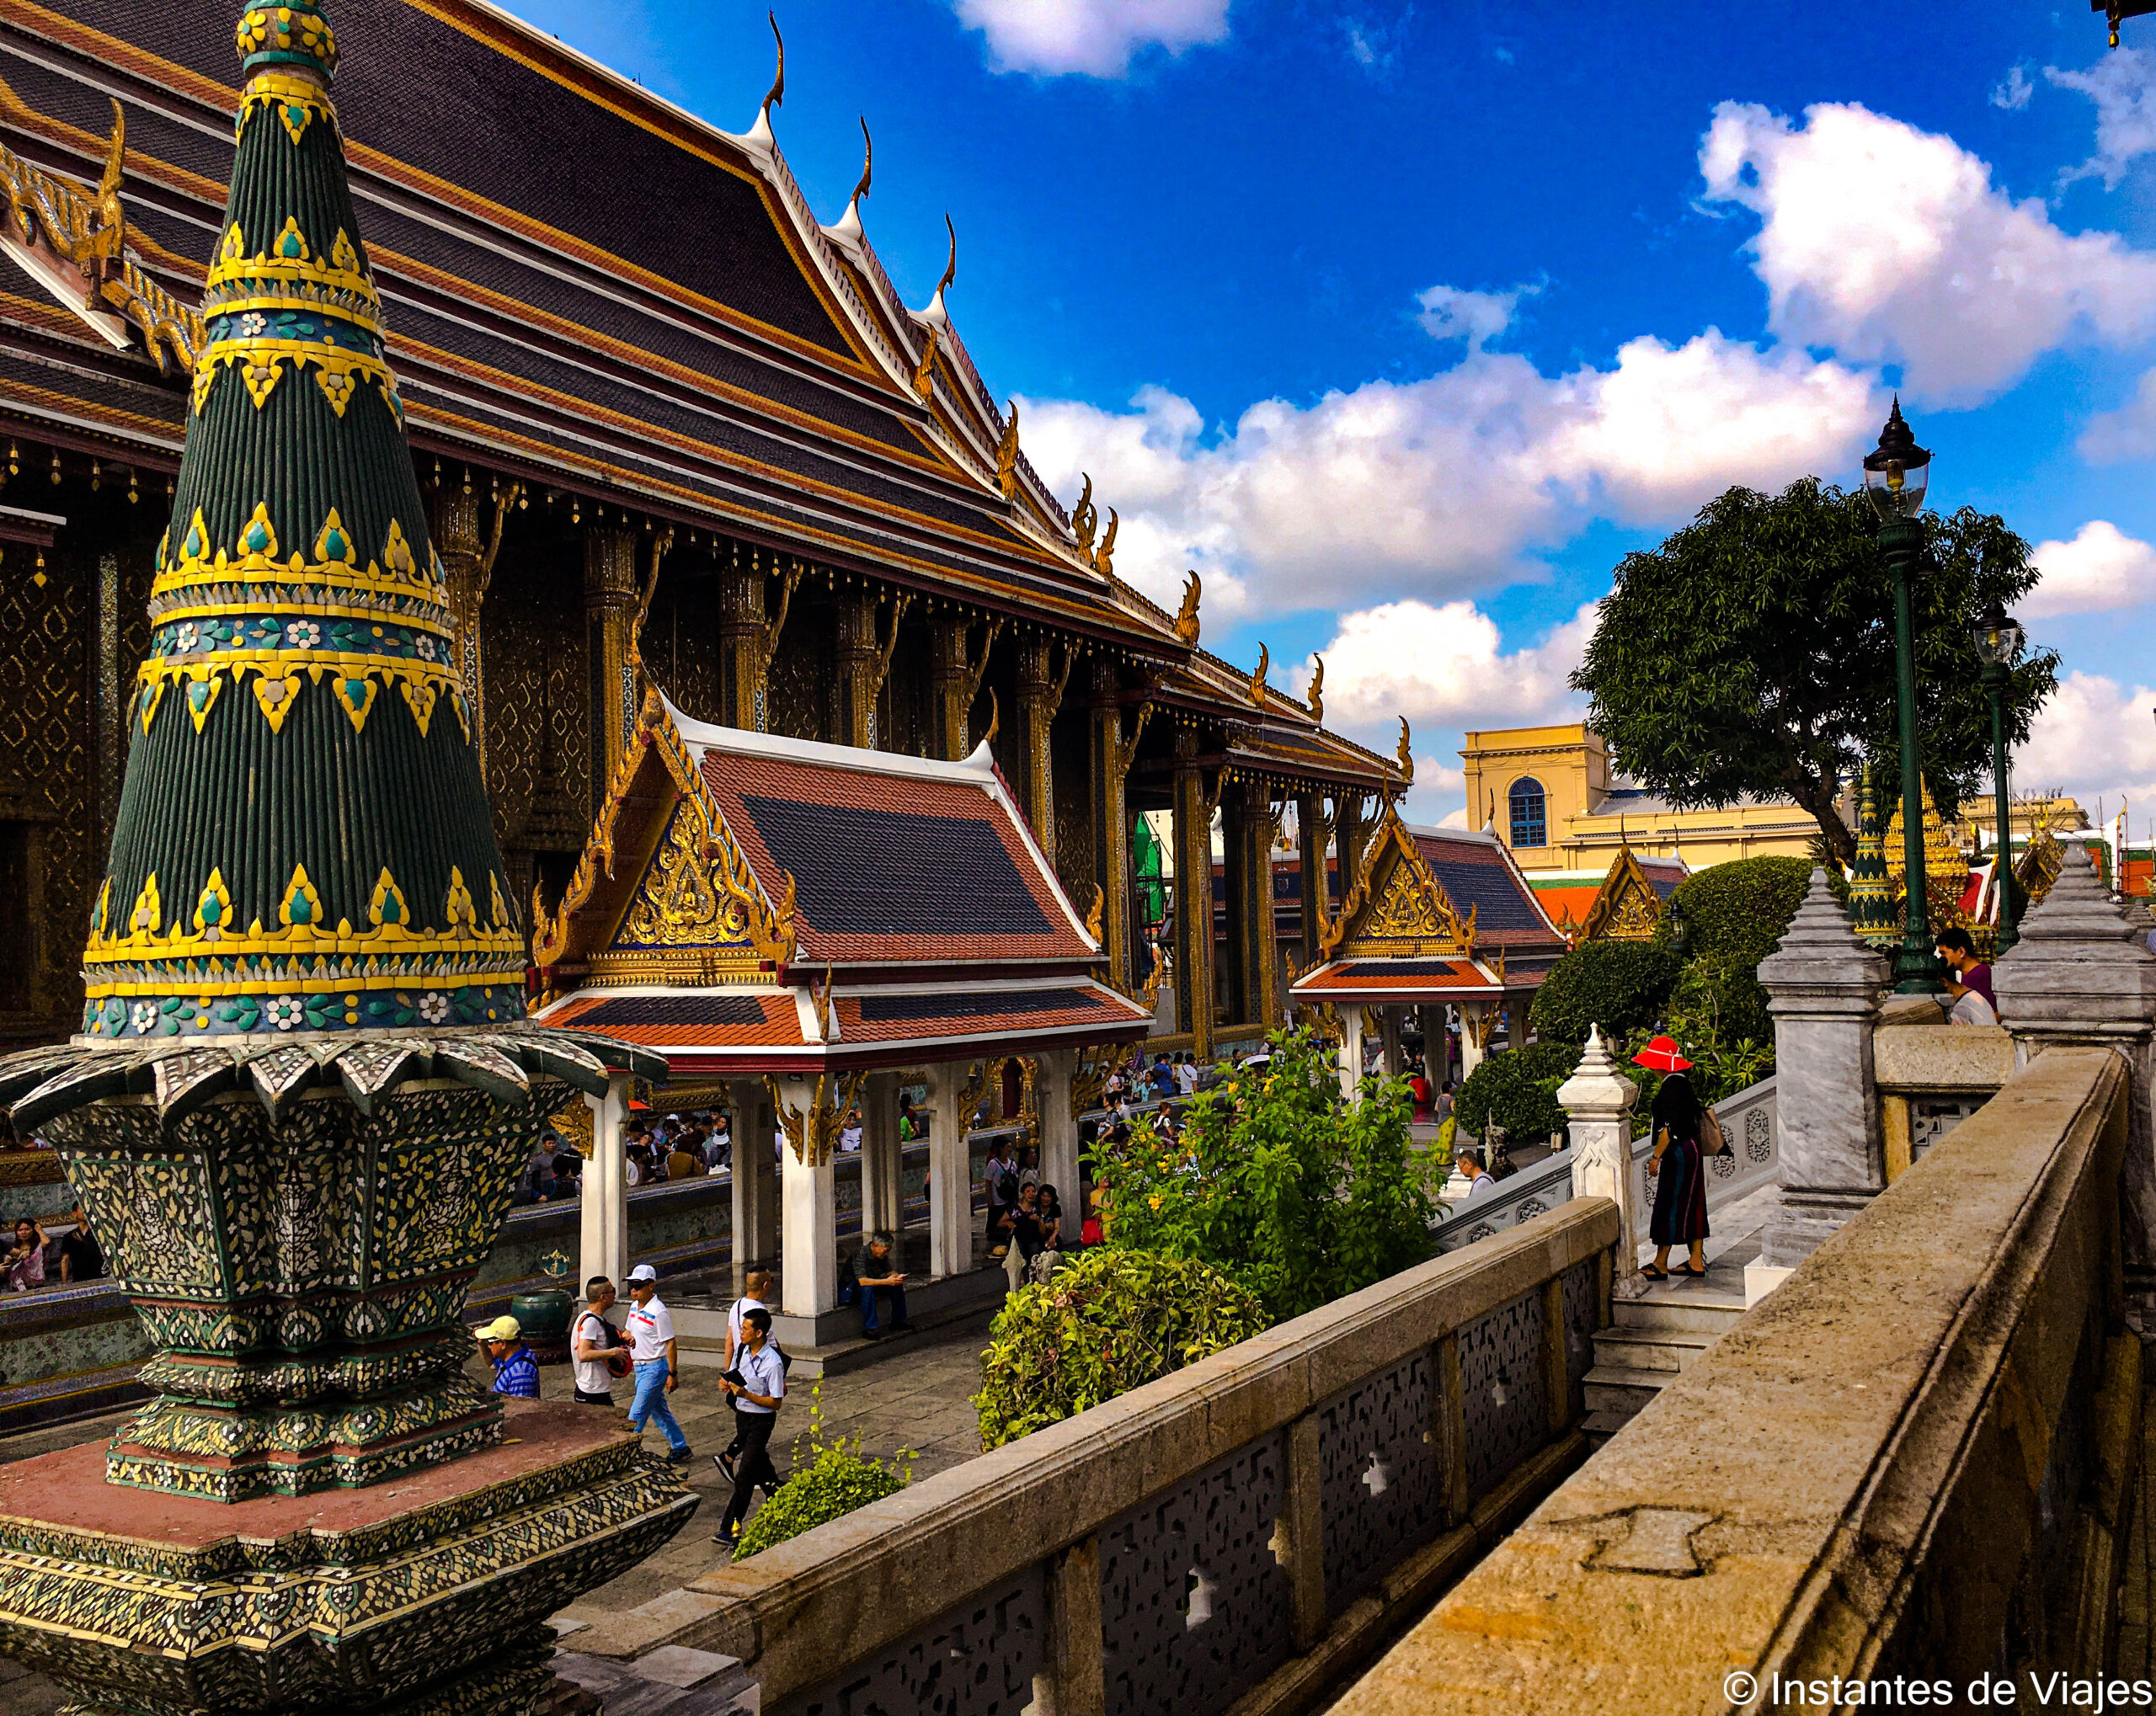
pixel 516 1371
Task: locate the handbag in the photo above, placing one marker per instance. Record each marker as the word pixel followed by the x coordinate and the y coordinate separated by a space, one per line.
pixel 618 1353
pixel 1712 1142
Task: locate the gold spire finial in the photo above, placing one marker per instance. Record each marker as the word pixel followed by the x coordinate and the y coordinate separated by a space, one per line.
pixel 1006 456
pixel 868 160
pixel 1258 678
pixel 1187 626
pixel 1407 756
pixel 1084 517
pixel 924 377
pixel 1104 556
pixel 776 98
pixel 1317 690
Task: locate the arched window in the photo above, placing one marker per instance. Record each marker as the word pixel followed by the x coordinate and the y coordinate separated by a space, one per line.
pixel 1530 822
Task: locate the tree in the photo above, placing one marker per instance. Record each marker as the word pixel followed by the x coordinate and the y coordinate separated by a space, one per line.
pixel 1752 654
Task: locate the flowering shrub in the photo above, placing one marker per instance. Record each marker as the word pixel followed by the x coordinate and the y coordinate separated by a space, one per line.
pixel 1113 1319
pixel 1293 1195
pixel 836 1479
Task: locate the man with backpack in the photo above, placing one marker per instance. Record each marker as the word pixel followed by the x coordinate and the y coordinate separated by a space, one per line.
pixel 596 1346
pixel 756 1296
pixel 757 1386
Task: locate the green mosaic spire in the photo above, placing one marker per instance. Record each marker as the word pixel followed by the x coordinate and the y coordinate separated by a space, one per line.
pixel 303 841
pixel 1871 895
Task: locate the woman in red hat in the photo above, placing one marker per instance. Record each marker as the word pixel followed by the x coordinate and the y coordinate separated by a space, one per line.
pixel 1680 1191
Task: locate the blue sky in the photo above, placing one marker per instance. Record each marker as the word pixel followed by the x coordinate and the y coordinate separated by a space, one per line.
pixel 1402 322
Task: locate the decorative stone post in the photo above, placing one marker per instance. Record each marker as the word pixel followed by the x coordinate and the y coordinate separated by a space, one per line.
pixel 1056 1071
pixel 809 1209
pixel 1825 986
pixel 604 1200
pixel 1598 1103
pixel 1474 1016
pixel 2082 973
pixel 881 1195
pixel 950 1177
pixel 1351 1049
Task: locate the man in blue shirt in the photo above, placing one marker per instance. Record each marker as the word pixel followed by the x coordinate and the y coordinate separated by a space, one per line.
pixel 516 1371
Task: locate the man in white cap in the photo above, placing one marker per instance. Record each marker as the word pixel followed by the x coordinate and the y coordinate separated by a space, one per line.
pixel 516 1371
pixel 650 1329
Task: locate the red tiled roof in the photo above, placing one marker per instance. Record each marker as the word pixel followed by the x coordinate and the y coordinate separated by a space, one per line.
pixel 678 1021
pixel 874 1017
pixel 1432 977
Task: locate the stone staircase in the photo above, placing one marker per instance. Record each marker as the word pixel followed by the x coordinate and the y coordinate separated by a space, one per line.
pixel 1655 1338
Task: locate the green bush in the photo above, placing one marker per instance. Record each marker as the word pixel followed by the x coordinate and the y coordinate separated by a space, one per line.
pixel 1735 913
pixel 1614 984
pixel 1719 1003
pixel 1293 1195
pixel 1518 1090
pixel 836 1479
pixel 1113 1319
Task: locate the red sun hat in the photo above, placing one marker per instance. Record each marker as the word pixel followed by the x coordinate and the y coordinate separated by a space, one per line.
pixel 1661 1056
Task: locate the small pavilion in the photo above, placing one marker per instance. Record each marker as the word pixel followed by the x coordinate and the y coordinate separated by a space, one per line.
pixel 799 921
pixel 1623 904
pixel 1440 920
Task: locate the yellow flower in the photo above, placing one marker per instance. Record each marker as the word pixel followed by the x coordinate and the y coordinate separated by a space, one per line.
pixel 1154 1202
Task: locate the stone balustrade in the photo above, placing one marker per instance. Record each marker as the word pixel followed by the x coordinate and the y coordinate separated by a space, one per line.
pixel 1917 1458
pixel 1235 1535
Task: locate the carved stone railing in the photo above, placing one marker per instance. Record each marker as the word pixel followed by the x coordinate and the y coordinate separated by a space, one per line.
pixel 1231 1536
pixel 1917 1459
pixel 1748 1121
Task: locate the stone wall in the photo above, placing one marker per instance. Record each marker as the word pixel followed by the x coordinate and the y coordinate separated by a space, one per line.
pixel 1916 1457
pixel 1235 1535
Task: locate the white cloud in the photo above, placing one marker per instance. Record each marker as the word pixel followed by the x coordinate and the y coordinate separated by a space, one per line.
pixel 2101 568
pixel 1445 667
pixel 2093 739
pixel 2128 433
pixel 1447 484
pixel 2123 86
pixel 1097 38
pixel 2013 93
pixel 1887 244
pixel 1452 312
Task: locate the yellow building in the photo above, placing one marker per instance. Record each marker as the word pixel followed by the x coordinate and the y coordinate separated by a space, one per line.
pixel 1552 797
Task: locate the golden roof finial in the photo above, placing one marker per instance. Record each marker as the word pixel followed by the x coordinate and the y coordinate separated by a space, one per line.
pixel 950 268
pixel 995 717
pixel 776 98
pixel 1104 556
pixel 1084 517
pixel 1406 755
pixel 1258 678
pixel 868 160
pixel 924 377
pixel 1187 618
pixel 1317 690
pixel 1006 456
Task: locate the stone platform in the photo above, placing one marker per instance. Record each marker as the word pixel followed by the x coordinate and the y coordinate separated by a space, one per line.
pixel 415 1595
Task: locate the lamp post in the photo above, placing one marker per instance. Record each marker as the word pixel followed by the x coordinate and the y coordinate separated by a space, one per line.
pixel 1998 641
pixel 1895 476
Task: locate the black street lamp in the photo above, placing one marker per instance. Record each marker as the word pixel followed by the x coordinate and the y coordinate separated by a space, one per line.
pixel 1998 643
pixel 1895 476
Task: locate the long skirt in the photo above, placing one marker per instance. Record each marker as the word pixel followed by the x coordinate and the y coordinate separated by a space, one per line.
pixel 1680 1196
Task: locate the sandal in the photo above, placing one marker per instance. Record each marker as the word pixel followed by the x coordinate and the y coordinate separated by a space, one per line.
pixel 1695 1274
pixel 1654 1274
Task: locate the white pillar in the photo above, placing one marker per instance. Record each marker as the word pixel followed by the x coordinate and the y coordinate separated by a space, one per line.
pixel 1055 1071
pixel 1389 1038
pixel 809 1207
pixel 1516 1005
pixel 753 1171
pixel 1472 1015
pixel 1351 1048
pixel 950 1181
pixel 881 1196
pixel 1597 1102
pixel 604 1198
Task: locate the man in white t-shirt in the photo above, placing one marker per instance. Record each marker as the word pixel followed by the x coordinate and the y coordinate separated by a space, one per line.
pixel 650 1330
pixel 755 1296
pixel 591 1338
pixel 756 1401
pixel 1186 1076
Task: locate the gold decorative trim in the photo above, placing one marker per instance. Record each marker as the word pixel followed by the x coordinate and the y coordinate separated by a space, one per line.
pixel 1410 917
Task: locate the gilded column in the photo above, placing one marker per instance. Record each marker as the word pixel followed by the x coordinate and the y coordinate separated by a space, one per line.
pixel 1309 841
pixel 1110 753
pixel 463 556
pixel 1353 834
pixel 853 672
pixel 1039 693
pixel 951 688
pixel 741 625
pixel 1193 840
pixel 610 608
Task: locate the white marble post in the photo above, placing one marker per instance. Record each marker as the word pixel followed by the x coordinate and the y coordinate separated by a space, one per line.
pixel 1598 1103
pixel 1389 1041
pixel 2082 973
pixel 604 1200
pixel 809 1209
pixel 881 1193
pixel 1055 1070
pixel 755 1235
pixel 950 1182
pixel 1824 986
pixel 1516 1004
pixel 1351 1048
